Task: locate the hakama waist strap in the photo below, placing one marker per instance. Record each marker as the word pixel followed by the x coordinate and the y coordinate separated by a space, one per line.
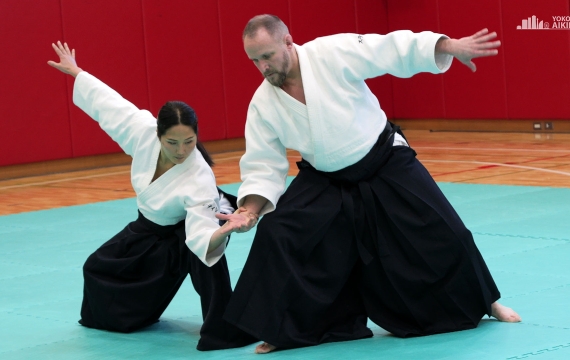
pixel 162 231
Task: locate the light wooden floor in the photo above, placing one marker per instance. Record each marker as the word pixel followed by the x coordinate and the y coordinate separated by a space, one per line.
pixel 470 157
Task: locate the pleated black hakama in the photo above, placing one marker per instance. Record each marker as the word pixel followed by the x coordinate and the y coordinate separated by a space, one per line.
pixel 131 279
pixel 375 240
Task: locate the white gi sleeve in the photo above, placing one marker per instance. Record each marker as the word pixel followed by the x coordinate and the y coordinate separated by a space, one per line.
pixel 225 205
pixel 264 166
pixel 201 222
pixel 399 53
pixel 119 118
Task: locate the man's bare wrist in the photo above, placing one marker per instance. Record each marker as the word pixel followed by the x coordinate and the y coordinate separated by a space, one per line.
pixel 444 46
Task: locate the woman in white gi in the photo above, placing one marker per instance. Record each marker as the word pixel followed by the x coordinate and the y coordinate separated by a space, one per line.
pixel 131 279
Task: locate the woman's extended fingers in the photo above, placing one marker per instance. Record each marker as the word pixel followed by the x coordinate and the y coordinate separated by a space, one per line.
pixel 62 49
pixel 66 57
pixel 56 49
pixel 67 63
pixel 239 222
pixel 221 216
pixel 59 50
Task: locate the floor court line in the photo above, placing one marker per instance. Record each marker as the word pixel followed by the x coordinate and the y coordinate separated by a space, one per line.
pixel 423 160
pixel 499 164
pixel 490 149
pixel 64 180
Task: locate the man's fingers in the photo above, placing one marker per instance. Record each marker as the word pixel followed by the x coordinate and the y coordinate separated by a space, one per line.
pixel 481 32
pixel 225 231
pixel 486 38
pixel 489 45
pixel 471 65
pixel 483 53
pixel 227 228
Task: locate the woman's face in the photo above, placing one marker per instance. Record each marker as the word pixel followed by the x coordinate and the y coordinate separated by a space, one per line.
pixel 177 143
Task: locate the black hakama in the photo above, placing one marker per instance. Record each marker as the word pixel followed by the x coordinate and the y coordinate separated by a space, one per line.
pixel 131 279
pixel 375 240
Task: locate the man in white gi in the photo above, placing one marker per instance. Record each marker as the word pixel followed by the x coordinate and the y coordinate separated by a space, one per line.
pixel 363 231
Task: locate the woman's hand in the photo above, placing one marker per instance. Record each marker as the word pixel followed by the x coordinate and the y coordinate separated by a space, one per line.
pixel 67 63
pixel 237 222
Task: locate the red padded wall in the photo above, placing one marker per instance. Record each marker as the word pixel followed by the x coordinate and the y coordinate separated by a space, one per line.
pixel 422 95
pixel 33 106
pixel 241 77
pixel 372 17
pixel 109 40
pixel 151 52
pixel 183 51
pixel 479 95
pixel 311 19
pixel 536 61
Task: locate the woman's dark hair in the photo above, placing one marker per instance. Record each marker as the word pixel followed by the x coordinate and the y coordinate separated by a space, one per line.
pixel 179 113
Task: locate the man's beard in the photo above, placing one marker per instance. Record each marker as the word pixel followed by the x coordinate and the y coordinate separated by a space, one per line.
pixel 281 75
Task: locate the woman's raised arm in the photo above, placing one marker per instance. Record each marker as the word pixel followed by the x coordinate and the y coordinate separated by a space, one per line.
pixel 67 63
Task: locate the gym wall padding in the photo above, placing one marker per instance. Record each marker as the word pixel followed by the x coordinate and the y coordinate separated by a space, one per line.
pixel 34 115
pixel 151 52
pixel 109 39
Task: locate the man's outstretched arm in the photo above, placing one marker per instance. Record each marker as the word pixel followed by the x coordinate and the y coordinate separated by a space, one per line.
pixel 466 49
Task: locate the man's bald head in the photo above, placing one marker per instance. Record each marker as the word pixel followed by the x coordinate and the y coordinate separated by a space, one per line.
pixel 271 23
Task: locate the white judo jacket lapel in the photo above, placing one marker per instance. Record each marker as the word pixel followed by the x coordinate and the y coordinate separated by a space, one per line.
pixel 313 101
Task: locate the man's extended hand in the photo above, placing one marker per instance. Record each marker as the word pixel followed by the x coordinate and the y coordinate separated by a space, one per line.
pixel 465 49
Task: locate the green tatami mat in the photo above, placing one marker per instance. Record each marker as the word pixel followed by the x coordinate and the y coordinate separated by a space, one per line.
pixel 523 233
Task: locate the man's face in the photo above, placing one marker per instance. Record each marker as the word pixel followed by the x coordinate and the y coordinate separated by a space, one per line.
pixel 269 55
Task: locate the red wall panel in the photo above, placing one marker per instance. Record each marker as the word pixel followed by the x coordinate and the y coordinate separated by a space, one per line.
pixel 109 40
pixel 241 77
pixel 372 17
pixel 479 95
pixel 151 52
pixel 311 19
pixel 422 95
pixel 537 61
pixel 33 106
pixel 183 51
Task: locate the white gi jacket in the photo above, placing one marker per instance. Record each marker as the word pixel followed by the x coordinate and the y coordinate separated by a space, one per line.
pixel 186 191
pixel 342 118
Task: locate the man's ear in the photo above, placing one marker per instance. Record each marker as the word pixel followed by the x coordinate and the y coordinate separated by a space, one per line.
pixel 288 40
